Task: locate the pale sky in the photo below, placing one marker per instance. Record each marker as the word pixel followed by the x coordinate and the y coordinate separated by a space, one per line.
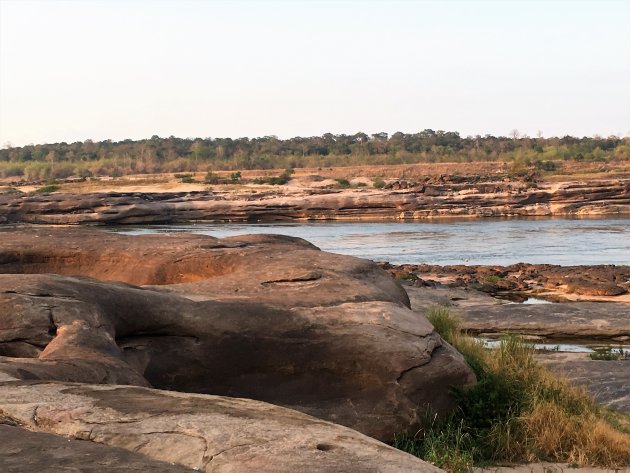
pixel 73 70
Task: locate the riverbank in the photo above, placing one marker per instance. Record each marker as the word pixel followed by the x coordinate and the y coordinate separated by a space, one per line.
pixel 431 200
pixel 230 316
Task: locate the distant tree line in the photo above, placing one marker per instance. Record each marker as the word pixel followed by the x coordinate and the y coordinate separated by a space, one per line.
pixel 115 158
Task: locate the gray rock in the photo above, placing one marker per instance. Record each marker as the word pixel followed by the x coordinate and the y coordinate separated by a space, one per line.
pixel 207 433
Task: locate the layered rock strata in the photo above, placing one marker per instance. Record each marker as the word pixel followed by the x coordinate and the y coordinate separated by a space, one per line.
pixel 597 281
pixel 490 199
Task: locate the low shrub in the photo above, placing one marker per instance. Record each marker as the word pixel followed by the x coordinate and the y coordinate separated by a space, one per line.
pixel 212 178
pixel 546 165
pixel 186 178
pixel 280 180
pixel 378 183
pixel 493 279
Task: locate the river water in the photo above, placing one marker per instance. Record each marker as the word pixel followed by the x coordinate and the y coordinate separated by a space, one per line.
pixel 479 241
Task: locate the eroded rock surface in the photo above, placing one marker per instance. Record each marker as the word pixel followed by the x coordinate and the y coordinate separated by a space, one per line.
pixel 477 199
pixel 264 317
pixel 596 282
pixel 23 451
pixel 569 320
pixel 200 432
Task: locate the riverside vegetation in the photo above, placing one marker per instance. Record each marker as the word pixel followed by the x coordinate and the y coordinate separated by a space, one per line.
pixel 518 412
pixel 157 155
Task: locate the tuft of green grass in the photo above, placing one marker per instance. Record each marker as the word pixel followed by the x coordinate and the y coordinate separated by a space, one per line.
pixel 343 183
pixel 493 279
pixel 517 412
pixel 444 322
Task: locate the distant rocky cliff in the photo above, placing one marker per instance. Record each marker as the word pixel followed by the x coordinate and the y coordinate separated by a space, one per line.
pixel 490 199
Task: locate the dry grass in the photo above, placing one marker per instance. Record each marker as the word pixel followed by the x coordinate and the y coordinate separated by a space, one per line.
pixel 581 438
pixel 518 412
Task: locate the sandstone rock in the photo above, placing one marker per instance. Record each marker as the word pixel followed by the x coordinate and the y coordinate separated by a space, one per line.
pixel 268 318
pixel 200 432
pixel 597 280
pixel 480 313
pixel 22 451
pixel 439 199
pixel 568 320
pixel 607 381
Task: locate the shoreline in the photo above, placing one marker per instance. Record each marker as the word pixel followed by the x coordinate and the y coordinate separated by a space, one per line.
pixel 420 203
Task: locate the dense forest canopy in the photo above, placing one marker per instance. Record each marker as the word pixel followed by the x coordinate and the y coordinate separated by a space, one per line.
pixel 89 158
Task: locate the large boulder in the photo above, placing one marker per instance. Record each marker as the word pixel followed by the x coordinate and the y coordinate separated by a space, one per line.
pixel 267 318
pixel 200 432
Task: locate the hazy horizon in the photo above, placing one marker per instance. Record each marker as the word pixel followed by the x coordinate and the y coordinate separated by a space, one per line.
pixel 71 71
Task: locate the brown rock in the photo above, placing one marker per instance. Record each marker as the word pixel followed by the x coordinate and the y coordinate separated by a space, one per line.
pixel 597 280
pixel 268 318
pixel 441 198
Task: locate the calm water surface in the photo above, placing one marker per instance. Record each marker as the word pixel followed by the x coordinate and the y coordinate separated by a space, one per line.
pixel 554 241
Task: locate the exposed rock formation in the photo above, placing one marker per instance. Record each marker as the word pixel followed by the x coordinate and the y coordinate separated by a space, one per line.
pixel 482 314
pixel 607 381
pixel 200 432
pixel 491 199
pixel 264 317
pixel 589 320
pixel 24 451
pixel 582 282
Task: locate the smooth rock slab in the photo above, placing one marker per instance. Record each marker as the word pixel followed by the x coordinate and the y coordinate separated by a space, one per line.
pixel 607 320
pixel 22 451
pixel 209 433
pixel 480 313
